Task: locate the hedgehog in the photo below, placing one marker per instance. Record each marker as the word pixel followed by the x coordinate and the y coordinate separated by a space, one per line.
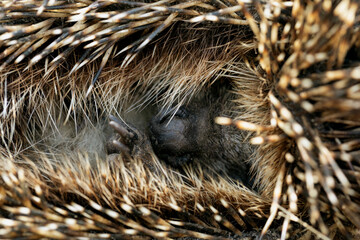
pixel 281 78
pixel 188 135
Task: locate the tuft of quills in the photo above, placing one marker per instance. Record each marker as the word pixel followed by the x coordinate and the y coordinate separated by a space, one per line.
pixel 305 117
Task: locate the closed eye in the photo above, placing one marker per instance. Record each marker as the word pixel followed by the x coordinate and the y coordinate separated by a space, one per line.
pixel 182 113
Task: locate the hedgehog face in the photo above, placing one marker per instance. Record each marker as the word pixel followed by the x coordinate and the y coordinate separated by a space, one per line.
pixel 178 137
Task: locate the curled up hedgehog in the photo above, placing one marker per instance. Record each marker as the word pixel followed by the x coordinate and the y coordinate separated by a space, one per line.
pixel 165 119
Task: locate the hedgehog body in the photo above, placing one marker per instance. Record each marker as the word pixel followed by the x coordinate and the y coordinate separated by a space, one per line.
pixel 290 71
